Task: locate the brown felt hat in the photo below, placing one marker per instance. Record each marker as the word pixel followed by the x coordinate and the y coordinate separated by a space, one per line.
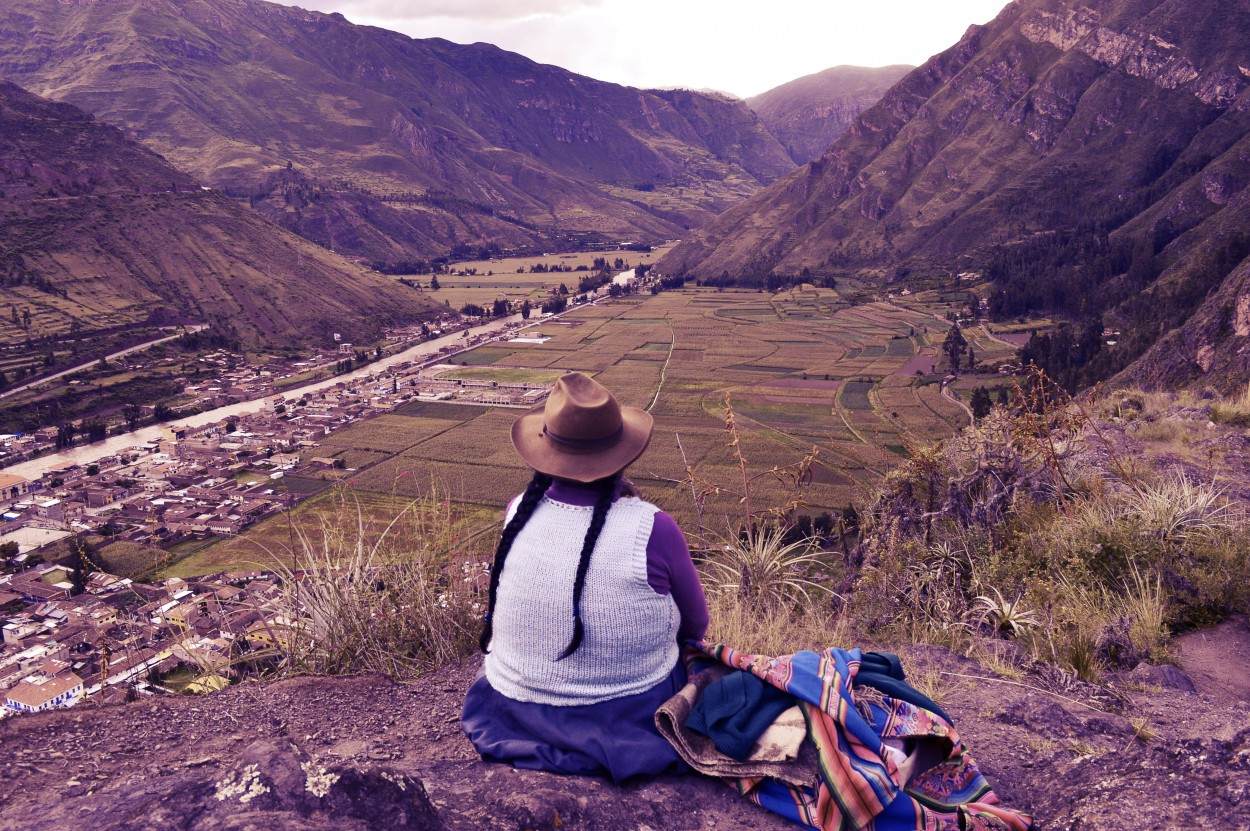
pixel 581 432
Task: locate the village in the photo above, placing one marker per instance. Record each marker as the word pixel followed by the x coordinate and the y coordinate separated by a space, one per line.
pixel 118 638
pixel 72 632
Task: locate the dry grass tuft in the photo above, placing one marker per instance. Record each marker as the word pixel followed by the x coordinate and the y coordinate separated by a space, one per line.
pixel 1234 411
pixel 775 629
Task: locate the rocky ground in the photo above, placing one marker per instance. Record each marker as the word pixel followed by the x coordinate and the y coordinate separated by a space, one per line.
pixel 1157 748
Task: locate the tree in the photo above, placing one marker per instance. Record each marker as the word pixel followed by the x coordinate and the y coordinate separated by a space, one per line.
pixel 525 309
pixel 500 307
pixel 132 413
pixel 434 284
pixel 850 519
pixel 82 553
pixel 955 346
pixel 95 429
pixel 1002 396
pixel 981 403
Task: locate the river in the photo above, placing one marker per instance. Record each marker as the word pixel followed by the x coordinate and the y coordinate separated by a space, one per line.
pixel 87 453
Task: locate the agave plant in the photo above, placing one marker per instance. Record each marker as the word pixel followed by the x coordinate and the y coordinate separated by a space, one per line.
pixel 1007 617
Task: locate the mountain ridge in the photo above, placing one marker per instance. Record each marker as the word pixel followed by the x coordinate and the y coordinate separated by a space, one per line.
pixel 234 91
pixel 809 113
pixel 1082 154
pixel 100 231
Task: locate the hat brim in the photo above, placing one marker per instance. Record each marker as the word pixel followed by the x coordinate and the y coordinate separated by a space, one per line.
pixel 545 456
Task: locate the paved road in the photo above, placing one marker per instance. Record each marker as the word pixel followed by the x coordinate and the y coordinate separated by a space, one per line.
pixel 199 327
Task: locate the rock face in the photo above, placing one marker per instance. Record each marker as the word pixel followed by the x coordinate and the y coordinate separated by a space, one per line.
pixel 1092 157
pixel 398 148
pixel 365 752
pixel 99 232
pixel 808 113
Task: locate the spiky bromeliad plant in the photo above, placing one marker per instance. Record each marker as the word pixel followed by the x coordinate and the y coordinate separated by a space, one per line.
pixel 761 565
pixel 1006 617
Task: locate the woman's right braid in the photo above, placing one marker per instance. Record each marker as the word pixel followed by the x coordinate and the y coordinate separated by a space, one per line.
pixel 529 502
pixel 607 490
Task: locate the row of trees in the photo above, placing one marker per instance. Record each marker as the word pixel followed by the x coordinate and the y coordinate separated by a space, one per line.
pixel 500 308
pixel 769 280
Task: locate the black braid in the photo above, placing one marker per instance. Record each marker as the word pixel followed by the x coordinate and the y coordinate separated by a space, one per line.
pixel 607 489
pixel 533 495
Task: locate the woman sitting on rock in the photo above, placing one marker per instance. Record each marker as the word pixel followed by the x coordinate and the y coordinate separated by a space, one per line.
pixel 591 591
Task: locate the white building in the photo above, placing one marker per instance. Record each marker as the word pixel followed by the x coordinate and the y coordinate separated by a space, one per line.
pixel 36 694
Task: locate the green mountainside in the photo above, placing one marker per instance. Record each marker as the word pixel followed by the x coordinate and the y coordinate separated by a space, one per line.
pixel 1091 158
pixel 385 147
pixel 808 113
pixel 97 232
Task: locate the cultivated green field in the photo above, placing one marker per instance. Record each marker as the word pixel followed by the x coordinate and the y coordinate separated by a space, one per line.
pixel 482 281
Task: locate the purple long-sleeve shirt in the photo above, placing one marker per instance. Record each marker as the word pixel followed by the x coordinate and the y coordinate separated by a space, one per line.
pixel 670 570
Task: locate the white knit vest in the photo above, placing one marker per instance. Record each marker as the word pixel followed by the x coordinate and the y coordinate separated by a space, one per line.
pixel 630 632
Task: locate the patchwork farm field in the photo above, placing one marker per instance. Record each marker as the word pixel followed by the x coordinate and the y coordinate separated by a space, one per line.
pixel 802 370
pixel 275 542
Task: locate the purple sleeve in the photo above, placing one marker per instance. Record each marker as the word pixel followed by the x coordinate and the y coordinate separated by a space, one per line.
pixel 671 571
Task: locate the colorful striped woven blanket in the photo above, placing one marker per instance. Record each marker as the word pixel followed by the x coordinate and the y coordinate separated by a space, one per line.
pixel 859 787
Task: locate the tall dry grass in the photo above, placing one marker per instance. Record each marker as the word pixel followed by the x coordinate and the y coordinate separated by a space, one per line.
pixel 358 601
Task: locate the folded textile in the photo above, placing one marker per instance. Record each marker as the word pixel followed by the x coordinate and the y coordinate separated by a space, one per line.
pixel 700 752
pixel 872 770
pixel 734 711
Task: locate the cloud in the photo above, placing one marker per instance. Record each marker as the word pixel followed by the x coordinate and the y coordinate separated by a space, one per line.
pixel 741 46
pixel 477 10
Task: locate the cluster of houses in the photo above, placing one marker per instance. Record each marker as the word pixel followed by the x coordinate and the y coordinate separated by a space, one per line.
pixel 115 639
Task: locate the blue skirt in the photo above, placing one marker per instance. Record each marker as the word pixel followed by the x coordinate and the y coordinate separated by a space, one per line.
pixel 615 738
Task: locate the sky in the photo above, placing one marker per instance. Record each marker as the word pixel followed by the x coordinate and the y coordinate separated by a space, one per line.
pixel 742 47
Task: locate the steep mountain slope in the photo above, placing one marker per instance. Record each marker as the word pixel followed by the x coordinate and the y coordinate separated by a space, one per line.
pixel 1093 156
pixel 809 113
pixel 99 232
pixel 384 146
